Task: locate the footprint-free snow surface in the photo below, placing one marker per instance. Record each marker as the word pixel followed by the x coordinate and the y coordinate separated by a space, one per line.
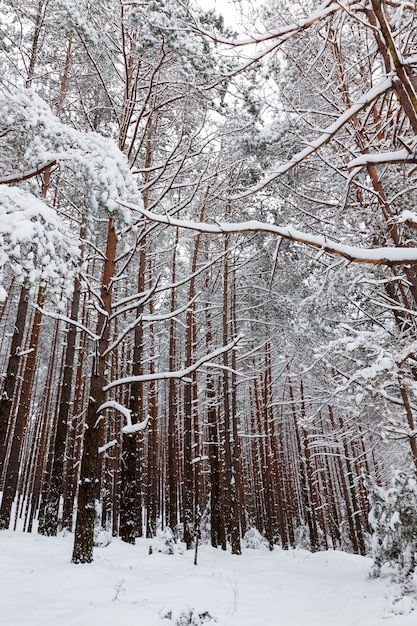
pixel 127 586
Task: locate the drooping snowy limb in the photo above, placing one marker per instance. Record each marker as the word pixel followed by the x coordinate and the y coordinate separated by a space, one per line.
pixel 48 141
pixel 129 428
pixel 34 243
pixel 112 404
pixel 381 87
pixel 178 374
pixel 375 256
pixel 147 318
pixel 67 320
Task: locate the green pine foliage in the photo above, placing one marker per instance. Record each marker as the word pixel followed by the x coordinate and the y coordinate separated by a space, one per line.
pixel 393 518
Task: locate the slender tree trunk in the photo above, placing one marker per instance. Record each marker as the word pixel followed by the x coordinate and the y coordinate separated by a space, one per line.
pixel 217 527
pixel 230 495
pixel 345 490
pixel 307 504
pixel 130 495
pixel 172 411
pixel 152 491
pixel 48 518
pixel 10 381
pixel 39 23
pixel 23 409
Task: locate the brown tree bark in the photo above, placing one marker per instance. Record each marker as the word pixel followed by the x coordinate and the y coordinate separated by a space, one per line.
pixel 12 474
pixel 172 459
pixel 48 516
pixel 10 381
pixel 89 477
pixel 231 509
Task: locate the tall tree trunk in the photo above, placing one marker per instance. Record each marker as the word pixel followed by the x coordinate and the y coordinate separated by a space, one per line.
pixel 172 461
pixel 217 527
pixel 229 490
pixel 130 525
pixel 10 381
pixel 308 513
pixel 23 409
pixel 48 518
pixel 89 477
pixel 152 491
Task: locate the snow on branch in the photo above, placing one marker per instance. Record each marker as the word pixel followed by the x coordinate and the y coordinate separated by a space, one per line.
pixel 278 37
pixel 381 87
pixel 107 446
pixel 95 159
pixel 67 320
pixel 375 256
pixel 25 175
pixel 159 317
pixel 174 374
pixel 288 30
pixel 134 301
pixel 35 243
pixel 112 404
pixel 129 428
pixel 399 156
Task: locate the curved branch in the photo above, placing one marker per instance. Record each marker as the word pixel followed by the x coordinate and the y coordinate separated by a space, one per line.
pixel 389 256
pixel 178 374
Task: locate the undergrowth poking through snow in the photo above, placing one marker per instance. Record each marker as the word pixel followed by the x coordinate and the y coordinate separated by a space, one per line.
pixel 393 518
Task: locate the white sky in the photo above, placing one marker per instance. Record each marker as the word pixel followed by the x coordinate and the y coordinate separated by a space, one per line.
pixel 226 7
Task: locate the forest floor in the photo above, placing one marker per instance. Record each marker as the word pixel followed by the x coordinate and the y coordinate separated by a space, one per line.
pixel 128 586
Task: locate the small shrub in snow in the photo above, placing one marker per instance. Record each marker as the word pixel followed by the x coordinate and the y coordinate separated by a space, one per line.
pixel 393 518
pixel 164 542
pixel 102 538
pixel 187 617
pixel 302 537
pixel 253 540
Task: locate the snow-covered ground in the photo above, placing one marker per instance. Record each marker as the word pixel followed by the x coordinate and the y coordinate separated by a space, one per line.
pixel 128 586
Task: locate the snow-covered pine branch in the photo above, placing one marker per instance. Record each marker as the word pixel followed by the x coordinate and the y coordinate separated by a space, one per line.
pixel 177 374
pixel 283 33
pixel 129 428
pixel 156 317
pixel 35 244
pixel 375 256
pixel 92 158
pixel 327 135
